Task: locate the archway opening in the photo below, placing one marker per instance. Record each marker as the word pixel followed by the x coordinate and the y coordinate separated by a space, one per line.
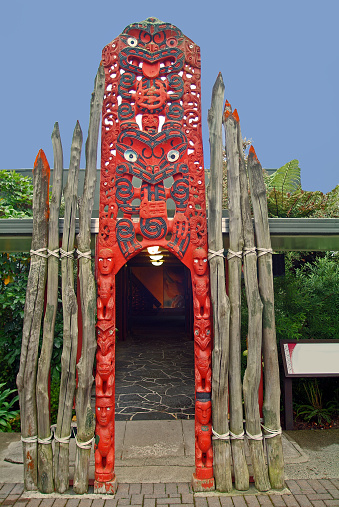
pixel 155 347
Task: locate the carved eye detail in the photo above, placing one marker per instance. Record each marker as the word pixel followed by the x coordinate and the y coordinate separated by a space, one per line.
pixel 130 155
pixel 197 332
pixel 98 409
pixel 173 155
pixel 205 260
pixel 208 332
pixel 132 41
pixel 172 42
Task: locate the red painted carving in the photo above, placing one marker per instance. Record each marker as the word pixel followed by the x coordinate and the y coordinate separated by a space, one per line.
pixel 152 152
pixel 104 449
pixel 203 440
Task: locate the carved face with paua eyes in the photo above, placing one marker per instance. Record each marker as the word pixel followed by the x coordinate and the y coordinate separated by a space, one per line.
pixel 104 411
pixel 200 261
pixel 106 261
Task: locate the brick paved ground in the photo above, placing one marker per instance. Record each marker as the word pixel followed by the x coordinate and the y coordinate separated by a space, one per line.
pixel 304 493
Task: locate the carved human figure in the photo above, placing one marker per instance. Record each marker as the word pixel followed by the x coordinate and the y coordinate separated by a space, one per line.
pixel 202 333
pixel 105 377
pixel 104 447
pixel 203 372
pixel 203 438
pixel 200 282
pixel 106 285
pixel 105 335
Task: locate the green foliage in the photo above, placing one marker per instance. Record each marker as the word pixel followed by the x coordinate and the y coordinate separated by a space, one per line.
pixel 16 195
pixel 315 408
pixel 6 408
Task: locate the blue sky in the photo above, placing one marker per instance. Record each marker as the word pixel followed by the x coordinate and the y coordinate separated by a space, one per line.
pixel 279 61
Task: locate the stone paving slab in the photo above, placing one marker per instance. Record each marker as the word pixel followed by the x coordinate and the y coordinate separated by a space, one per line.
pixel 300 493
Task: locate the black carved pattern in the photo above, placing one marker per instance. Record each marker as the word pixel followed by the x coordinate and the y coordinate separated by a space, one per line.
pixel 153 228
pixel 126 237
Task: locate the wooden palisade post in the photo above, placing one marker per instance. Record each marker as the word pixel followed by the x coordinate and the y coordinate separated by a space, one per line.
pixel 84 412
pixel 26 379
pixel 45 451
pixel 253 370
pixel 220 301
pixel 271 407
pixel 70 320
pixel 236 242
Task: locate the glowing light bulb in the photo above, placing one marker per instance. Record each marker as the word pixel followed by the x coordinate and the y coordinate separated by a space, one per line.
pixel 152 250
pixel 156 257
pixel 157 263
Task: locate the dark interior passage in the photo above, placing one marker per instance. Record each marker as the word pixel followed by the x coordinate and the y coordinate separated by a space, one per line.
pixel 155 348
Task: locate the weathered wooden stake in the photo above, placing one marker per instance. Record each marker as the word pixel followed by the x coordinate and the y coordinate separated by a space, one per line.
pixel 220 301
pixel 253 371
pixel 236 240
pixel 70 320
pixel 45 451
pixel 26 379
pixel 84 412
pixel 271 407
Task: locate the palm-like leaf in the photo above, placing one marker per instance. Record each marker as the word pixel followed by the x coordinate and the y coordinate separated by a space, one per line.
pixel 286 179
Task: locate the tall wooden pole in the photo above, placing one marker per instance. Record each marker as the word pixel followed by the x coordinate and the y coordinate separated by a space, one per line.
pixel 35 293
pixel 70 321
pixel 236 240
pixel 271 407
pixel 220 301
pixel 85 414
pixel 45 451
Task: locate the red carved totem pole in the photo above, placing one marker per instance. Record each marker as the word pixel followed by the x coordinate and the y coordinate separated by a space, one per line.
pixel 151 152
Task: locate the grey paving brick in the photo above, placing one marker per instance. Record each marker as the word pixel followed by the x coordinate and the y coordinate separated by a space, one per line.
pixel 277 500
pixel 111 502
pixel 60 502
pixel 290 501
pixel 334 493
pixel 184 487
pixel 85 502
pixel 316 485
pixel 167 500
pixel 318 503
pixel 226 501
pixel 123 491
pixel 135 489
pixel 335 482
pixel 47 502
pixel 34 502
pixel 305 486
pixel 149 502
pixel 124 501
pixel 10 499
pixel 293 487
pixel 213 501
pixel 147 488
pixel 98 502
pixel 319 496
pixel 186 504
pixel 239 501
pixel 6 489
pixel 18 489
pixel 171 488
pixel 72 502
pixel 331 503
pixel 187 498
pixel 159 489
pixel 200 501
pixel 303 501
pixel 251 501
pixel 137 498
pixel 264 500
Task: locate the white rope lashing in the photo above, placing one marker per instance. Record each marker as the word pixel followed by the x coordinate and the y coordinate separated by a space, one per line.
pixel 64 254
pixel 213 253
pixel 84 445
pixel 39 252
pixel 232 254
pixel 85 255
pixel 216 436
pixel 264 251
pixel 29 440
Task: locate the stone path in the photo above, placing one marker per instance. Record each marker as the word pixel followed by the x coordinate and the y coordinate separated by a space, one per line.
pixel 155 376
pixel 303 493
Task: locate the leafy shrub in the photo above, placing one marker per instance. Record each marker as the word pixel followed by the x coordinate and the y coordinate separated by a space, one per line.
pixel 16 195
pixel 6 408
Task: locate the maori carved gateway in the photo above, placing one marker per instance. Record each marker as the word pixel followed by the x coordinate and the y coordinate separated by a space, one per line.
pixel 151 152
